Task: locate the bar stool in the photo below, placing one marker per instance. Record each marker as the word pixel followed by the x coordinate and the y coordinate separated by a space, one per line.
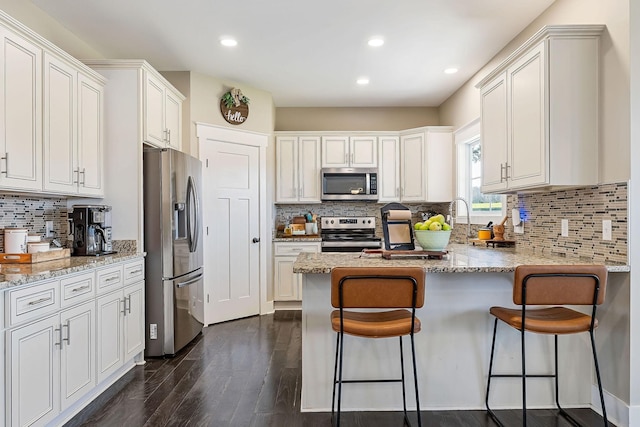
pixel 400 290
pixel 551 285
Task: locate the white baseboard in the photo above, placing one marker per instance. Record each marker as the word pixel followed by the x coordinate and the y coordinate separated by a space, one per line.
pixel 618 412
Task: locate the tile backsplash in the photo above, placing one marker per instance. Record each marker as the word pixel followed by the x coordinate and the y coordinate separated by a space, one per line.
pixel 585 208
pixel 31 212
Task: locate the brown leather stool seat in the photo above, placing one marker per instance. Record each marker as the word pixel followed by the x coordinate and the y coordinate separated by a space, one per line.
pixel 555 285
pixel 396 290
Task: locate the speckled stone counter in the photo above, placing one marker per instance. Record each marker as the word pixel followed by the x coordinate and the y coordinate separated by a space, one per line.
pixel 19 274
pixel 460 259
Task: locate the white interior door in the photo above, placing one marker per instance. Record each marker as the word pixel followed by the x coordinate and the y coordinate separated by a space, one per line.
pixel 231 218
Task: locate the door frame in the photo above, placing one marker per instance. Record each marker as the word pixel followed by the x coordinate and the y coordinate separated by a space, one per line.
pixel 205 132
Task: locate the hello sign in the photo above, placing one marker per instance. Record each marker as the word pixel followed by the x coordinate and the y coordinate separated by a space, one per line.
pixel 234 107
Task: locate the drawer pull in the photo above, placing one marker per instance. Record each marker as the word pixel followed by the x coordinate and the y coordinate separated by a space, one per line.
pixel 111 279
pixel 81 288
pixel 39 301
pixel 11 257
pixel 136 271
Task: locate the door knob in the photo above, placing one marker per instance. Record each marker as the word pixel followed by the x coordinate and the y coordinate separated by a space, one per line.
pixel 256 240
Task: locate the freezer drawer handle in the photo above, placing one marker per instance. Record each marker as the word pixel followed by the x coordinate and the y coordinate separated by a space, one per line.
pixel 189 282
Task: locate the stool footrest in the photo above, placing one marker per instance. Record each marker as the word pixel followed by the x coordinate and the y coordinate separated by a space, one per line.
pixel 520 375
pixel 371 381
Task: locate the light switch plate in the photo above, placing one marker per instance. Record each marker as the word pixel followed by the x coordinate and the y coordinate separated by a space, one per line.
pixel 564 227
pixel 606 229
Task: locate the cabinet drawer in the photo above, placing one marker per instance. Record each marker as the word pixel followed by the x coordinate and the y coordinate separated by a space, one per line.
pixel 291 249
pixel 109 279
pixel 133 271
pixel 32 302
pixel 77 288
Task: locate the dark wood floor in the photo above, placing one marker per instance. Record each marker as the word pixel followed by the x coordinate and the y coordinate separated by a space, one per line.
pixel 247 373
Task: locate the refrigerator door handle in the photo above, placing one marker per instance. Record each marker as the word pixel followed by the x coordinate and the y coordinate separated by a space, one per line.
pixel 192 209
pixel 189 282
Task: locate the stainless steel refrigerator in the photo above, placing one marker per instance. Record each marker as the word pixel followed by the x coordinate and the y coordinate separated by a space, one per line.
pixel 173 243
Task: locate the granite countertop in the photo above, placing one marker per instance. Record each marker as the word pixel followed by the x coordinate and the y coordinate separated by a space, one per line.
pixel 297 238
pixel 460 259
pixel 19 274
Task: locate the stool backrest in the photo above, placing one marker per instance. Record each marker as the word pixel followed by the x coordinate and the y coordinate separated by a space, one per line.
pixel 377 287
pixel 560 284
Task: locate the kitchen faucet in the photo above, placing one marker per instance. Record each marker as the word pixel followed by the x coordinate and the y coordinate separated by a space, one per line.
pixel 451 215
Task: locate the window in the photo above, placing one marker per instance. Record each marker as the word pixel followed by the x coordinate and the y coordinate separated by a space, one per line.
pixel 482 207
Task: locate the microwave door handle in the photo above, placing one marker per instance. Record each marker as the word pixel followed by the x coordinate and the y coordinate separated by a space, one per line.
pixel 367 183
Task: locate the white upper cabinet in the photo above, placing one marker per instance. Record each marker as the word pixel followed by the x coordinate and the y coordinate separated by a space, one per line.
pixel 345 151
pixel 20 112
pixel 413 162
pixel 73 139
pixel 389 169
pixel 298 169
pixel 539 113
pixel 162 113
pixel 439 166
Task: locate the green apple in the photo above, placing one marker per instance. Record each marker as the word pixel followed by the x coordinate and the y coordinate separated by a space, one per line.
pixel 435 226
pixel 417 226
pixel 425 225
pixel 440 218
pixel 446 227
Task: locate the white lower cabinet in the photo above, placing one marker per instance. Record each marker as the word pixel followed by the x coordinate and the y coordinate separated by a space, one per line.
pixel 52 365
pixel 287 284
pixel 62 341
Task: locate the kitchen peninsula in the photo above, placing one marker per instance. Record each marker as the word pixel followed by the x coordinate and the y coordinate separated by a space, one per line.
pixel 454 344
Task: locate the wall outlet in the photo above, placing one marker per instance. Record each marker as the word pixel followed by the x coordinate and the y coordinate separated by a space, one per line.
pixel 564 228
pixel 48 228
pixel 153 331
pixel 606 229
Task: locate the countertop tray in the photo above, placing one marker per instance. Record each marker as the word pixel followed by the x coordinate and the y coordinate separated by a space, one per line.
pixel 35 257
pixel 405 254
pixel 493 242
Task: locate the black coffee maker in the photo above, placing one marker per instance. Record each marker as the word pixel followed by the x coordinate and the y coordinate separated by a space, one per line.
pixel 91 229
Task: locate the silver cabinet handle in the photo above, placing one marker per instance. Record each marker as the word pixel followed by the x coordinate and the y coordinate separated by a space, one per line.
pixel 81 288
pixel 164 135
pixel 77 174
pixel 169 136
pixel 111 279
pixel 124 306
pixel 39 301
pixel 6 163
pixel 351 158
pixel 128 306
pixel 506 171
pixel 136 271
pixel 83 173
pixel 68 326
pixel 59 330
pixel 502 168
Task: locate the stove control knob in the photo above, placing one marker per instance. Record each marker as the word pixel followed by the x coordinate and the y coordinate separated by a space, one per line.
pixel 331 221
pixel 369 222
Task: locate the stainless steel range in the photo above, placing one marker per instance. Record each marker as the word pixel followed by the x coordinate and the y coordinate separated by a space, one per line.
pixel 349 234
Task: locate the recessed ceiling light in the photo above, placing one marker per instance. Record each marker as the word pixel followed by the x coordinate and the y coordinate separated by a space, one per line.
pixel 451 70
pixel 376 42
pixel 363 81
pixel 228 41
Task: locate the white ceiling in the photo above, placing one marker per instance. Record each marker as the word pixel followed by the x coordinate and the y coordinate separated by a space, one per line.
pixel 308 53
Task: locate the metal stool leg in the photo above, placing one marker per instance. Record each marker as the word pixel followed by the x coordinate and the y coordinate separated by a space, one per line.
pixel 335 374
pixel 415 379
pixel 404 392
pixel 340 378
pixel 595 361
pixel 524 382
pixel 486 401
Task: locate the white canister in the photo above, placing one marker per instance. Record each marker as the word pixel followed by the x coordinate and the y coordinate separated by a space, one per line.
pixel 15 240
pixel 32 248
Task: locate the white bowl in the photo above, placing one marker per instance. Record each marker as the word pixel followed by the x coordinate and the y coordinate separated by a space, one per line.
pixel 432 240
pixel 33 238
pixel 37 247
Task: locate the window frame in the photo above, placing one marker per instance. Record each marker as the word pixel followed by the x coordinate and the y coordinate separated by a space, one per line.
pixel 464 137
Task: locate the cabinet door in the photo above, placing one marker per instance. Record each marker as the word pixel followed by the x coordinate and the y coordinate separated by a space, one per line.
pixel 439 165
pixel 363 151
pixel 309 168
pixel 78 355
pixel 90 136
pixel 34 387
pixel 285 280
pixel 133 320
pixel 528 145
pixel 414 183
pixel 60 158
pixel 335 151
pixel 389 169
pixel 173 120
pixel 154 128
pixel 287 169
pixel 20 113
pixel 493 105
pixel 109 320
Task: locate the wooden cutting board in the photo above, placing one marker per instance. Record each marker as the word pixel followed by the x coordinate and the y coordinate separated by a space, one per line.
pixel 35 257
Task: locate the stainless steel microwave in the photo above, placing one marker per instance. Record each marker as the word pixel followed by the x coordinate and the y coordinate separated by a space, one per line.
pixel 350 184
